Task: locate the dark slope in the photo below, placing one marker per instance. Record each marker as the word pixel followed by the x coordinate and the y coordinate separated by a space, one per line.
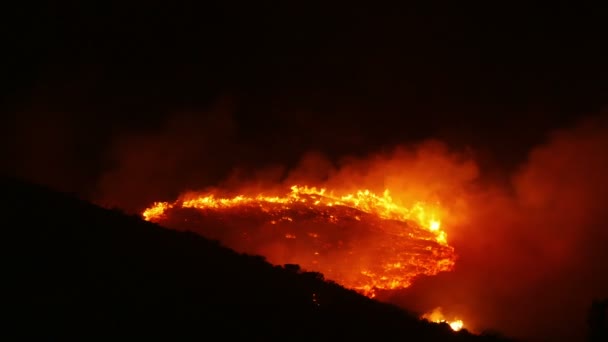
pixel 82 271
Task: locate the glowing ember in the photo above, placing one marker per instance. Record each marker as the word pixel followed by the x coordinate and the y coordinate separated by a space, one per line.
pixel 436 316
pixel 362 241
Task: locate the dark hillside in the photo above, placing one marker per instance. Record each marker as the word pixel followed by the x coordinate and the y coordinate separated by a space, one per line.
pixel 82 271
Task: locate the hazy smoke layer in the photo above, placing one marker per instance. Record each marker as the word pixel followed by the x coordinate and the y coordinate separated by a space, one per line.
pixel 533 251
pixel 532 246
pixel 188 151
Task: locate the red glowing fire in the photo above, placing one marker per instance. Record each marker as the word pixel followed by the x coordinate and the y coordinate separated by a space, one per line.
pixel 361 240
pixel 437 316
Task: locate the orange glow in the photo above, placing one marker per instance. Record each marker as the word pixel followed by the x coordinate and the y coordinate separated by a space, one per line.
pixel 456 325
pixel 364 200
pixel 156 211
pixel 361 240
pixel 437 316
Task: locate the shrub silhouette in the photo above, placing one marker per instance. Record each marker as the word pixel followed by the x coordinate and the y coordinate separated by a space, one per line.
pixel 598 320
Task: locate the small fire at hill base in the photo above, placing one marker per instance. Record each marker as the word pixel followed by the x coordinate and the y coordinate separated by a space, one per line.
pixel 437 316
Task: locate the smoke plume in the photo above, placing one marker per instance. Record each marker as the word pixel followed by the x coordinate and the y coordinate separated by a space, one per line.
pixel 188 151
pixel 531 245
pixel 532 252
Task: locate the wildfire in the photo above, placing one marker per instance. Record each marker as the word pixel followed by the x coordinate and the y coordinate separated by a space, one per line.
pixel 437 316
pixel 364 200
pixel 362 240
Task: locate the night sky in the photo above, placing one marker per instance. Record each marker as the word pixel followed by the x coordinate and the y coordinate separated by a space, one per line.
pixel 284 79
pixel 167 96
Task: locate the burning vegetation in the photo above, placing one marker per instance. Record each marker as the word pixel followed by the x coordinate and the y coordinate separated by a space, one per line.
pixel 363 241
pixel 437 316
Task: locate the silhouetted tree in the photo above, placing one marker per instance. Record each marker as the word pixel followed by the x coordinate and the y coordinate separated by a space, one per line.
pixel 598 320
pixel 313 276
pixel 295 268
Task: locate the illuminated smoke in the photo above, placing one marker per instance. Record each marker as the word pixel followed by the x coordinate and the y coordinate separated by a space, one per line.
pixel 532 248
pixel 530 245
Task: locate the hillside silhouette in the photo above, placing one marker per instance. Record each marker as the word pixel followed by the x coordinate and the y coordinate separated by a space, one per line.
pixel 81 271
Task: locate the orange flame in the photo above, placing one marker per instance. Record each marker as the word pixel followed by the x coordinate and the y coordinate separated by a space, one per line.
pixel 394 266
pixel 383 206
pixel 437 316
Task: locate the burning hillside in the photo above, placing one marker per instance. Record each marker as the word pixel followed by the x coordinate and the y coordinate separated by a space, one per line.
pixel 363 241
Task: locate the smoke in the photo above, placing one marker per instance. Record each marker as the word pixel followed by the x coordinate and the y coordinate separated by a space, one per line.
pixel 532 252
pixel 429 172
pixel 189 151
pixel 47 146
pixel 531 246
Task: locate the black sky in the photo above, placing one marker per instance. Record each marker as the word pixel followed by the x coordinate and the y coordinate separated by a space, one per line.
pixel 273 81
